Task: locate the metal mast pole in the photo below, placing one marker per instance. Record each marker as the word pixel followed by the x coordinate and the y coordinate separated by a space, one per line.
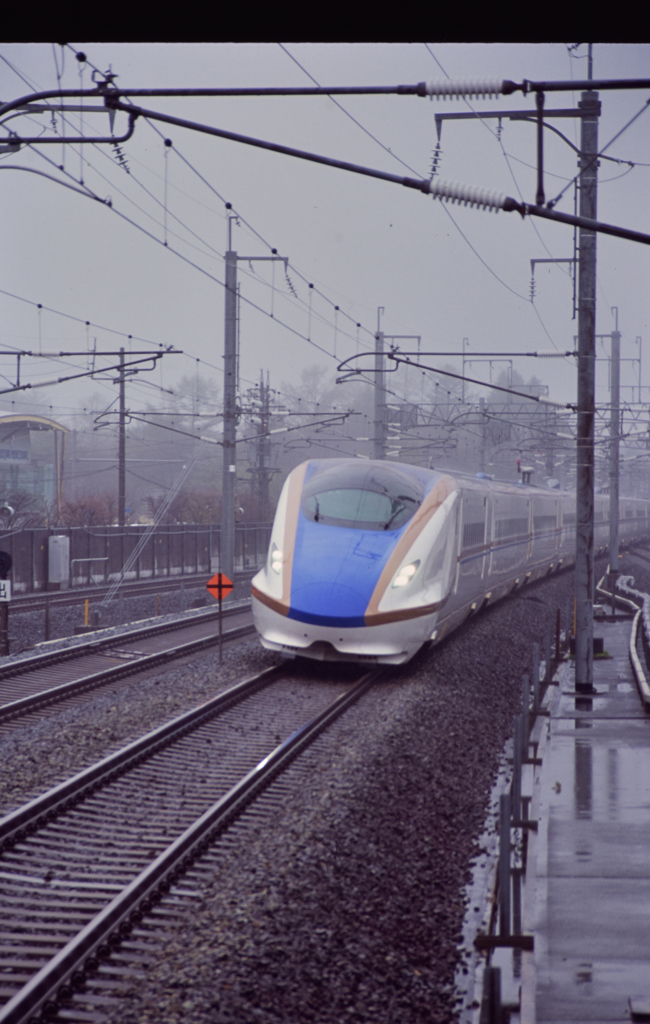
pixel 380 402
pixel 550 425
pixel 229 413
pixel 379 447
pixel 462 383
pixel 590 107
pixel 615 428
pixel 263 451
pixel 121 453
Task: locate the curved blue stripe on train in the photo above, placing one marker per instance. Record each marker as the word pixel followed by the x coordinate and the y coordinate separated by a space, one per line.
pixel 336 568
pixel 335 571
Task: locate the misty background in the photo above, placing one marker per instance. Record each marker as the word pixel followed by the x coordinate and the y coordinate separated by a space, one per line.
pixel 146 272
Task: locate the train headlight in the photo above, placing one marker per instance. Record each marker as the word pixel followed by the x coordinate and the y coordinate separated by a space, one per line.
pixel 406 574
pixel 276 559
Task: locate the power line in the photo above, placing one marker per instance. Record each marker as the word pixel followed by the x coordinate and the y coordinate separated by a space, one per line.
pixel 348 114
pixel 505 155
pixel 128 199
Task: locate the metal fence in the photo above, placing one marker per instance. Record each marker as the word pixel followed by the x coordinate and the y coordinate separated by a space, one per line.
pixel 97 554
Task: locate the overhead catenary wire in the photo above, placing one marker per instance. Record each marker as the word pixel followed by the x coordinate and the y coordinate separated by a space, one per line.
pixel 396 157
pixel 444 205
pixel 202 270
pixel 485 264
pixel 309 332
pixel 308 338
pixel 131 201
pixel 214 278
pixel 250 227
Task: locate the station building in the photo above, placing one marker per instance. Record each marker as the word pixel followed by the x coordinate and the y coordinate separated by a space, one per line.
pixel 32 455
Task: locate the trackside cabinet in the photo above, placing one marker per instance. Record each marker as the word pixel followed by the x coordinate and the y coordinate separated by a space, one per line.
pixel 58 562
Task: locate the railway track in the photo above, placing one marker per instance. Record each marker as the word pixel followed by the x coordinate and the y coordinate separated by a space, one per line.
pixel 88 867
pixel 57 677
pixel 96 592
pixel 640 551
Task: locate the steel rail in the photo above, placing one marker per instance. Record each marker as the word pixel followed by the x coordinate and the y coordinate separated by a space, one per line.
pixel 62 796
pixel 638 554
pixel 638 669
pixel 54 694
pixel 39 599
pixel 46 658
pixel 55 983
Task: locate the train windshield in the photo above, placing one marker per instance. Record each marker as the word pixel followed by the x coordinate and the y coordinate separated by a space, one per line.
pixel 361 497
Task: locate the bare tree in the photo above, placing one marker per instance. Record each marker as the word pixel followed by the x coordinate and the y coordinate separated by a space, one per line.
pixel 194 506
pixel 195 395
pixel 21 510
pixel 90 510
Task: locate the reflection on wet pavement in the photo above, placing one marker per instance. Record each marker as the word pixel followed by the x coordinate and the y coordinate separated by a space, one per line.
pixel 592 911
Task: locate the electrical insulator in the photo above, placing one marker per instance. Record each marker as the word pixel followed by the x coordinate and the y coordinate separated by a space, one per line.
pixel 469 87
pixel 119 156
pixel 435 160
pixel 290 284
pixel 469 195
pixel 532 288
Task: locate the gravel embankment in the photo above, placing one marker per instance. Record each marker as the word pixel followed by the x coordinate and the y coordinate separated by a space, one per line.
pixel 349 906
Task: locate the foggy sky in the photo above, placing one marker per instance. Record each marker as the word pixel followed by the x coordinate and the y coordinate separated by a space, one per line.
pixel 362 243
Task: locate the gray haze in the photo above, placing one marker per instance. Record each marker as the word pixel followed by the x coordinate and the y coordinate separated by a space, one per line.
pixel 439 271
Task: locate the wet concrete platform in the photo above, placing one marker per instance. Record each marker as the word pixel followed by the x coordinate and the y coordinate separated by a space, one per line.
pixel 587 892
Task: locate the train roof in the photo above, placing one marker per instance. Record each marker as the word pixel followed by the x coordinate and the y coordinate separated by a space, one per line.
pixel 427 476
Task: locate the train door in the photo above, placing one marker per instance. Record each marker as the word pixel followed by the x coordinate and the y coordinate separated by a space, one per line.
pixel 472 552
pixel 489 518
pixel 568 536
pixel 511 531
pixel 545 526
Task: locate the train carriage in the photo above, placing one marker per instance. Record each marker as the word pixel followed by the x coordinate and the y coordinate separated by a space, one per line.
pixel 369 560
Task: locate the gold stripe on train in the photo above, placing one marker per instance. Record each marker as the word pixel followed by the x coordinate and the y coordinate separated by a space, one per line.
pixel 434 499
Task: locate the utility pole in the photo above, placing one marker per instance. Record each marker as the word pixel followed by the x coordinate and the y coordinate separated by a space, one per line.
pixel 261 418
pixel 121 453
pixel 227 554
pixel 379 439
pixel 465 342
pixel 230 410
pixel 615 430
pixel 589 106
pixel 380 407
pixel 264 453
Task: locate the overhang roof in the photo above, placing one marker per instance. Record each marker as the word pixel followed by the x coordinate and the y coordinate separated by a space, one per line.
pixel 33 422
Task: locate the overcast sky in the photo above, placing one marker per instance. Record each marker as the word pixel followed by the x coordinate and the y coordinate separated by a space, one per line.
pixel 439 271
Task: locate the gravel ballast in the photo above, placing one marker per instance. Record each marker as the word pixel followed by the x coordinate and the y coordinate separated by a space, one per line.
pixel 349 905
pixel 27 628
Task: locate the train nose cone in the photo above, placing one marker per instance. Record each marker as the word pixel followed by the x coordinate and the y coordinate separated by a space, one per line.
pixel 328 604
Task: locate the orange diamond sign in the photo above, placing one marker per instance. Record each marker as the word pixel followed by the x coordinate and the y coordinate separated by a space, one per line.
pixel 220 586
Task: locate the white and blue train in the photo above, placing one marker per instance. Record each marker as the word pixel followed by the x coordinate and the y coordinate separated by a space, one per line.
pixel 370 560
